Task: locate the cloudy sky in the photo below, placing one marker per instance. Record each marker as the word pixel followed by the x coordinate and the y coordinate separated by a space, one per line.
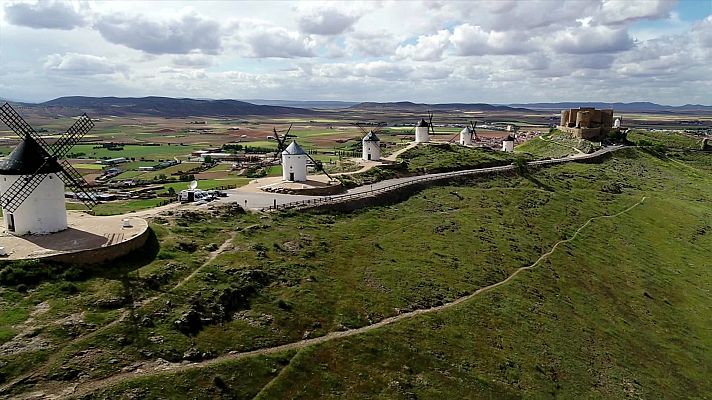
pixel 431 51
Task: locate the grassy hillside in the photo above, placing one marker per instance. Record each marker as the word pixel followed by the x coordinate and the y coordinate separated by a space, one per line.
pixel 614 312
pixel 671 139
pixel 433 158
pixel 545 148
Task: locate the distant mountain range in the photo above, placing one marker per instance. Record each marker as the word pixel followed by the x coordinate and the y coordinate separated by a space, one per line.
pixel 177 107
pixel 642 106
pixel 318 104
pixel 165 107
pixel 409 106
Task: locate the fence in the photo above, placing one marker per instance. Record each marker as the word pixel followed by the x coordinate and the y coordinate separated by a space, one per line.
pixel 308 203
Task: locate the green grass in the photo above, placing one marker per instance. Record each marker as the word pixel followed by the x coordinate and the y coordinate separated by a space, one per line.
pixel 241 380
pixel 433 158
pixel 541 148
pixel 616 311
pixel 119 206
pixel 670 139
pixel 441 158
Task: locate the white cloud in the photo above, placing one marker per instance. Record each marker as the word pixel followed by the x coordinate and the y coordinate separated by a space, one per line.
pixel 82 64
pixel 176 36
pixel 702 32
pixel 447 51
pixel 326 22
pixel 472 40
pixel 427 48
pixel 371 43
pixel 591 39
pixel 268 41
pixel 619 11
pixel 47 15
pixel 193 61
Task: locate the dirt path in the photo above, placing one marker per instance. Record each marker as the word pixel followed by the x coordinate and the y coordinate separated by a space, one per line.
pixel 125 314
pixel 88 387
pixel 395 155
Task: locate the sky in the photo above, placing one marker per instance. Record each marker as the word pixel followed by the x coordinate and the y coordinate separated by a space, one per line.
pixel 501 51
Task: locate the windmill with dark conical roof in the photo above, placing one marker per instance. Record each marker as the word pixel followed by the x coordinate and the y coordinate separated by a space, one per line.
pixel 33 179
pixel 371 147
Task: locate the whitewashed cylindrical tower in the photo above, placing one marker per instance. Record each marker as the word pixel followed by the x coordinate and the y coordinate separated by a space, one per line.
pixel 508 144
pixel 294 163
pixel 371 145
pixel 466 136
pixel 617 122
pixel 43 211
pixel 422 132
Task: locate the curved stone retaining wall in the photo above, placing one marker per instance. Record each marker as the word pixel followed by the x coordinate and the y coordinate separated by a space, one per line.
pixel 102 254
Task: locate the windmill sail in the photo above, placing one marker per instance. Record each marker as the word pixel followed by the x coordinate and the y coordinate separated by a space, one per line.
pixel 47 156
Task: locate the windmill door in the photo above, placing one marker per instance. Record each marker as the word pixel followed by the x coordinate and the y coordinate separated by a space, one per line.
pixel 369 157
pixel 10 222
pixel 291 176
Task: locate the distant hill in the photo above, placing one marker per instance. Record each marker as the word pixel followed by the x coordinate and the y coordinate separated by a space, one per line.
pixel 409 106
pixel 641 106
pixel 166 107
pixel 318 104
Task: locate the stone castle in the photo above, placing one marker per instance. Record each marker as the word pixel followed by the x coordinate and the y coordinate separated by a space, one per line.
pixel 586 122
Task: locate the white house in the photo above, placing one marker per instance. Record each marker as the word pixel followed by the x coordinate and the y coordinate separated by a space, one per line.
pixel 508 144
pixel 43 210
pixel 466 136
pixel 371 145
pixel 294 163
pixel 422 132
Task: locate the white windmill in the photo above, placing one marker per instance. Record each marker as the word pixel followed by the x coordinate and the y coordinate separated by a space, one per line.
pixel 423 129
pixel 294 163
pixel 508 144
pixel 32 179
pixel 371 145
pixel 466 136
